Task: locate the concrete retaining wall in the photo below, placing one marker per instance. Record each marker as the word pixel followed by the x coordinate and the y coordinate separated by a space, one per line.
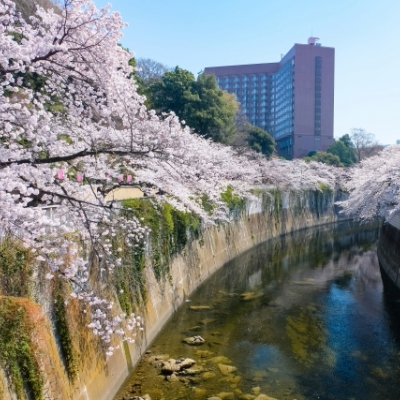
pixel 389 251
pixel 267 217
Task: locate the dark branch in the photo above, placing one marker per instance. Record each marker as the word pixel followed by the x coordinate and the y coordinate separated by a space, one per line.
pixel 83 153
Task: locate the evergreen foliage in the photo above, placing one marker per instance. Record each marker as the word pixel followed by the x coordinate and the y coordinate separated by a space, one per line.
pixel 261 141
pixel 344 149
pixel 325 158
pixel 211 112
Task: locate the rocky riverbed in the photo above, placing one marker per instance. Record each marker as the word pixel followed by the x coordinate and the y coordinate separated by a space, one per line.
pixel 183 377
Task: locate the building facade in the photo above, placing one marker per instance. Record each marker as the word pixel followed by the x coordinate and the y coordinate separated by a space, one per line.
pixel 293 99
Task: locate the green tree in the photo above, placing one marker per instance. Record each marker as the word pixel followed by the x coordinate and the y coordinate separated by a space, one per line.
pixel 325 158
pixel 173 92
pixel 261 141
pixel 347 141
pixel 344 149
pixel 211 112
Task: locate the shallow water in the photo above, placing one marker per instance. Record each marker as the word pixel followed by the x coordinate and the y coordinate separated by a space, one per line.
pixel 301 317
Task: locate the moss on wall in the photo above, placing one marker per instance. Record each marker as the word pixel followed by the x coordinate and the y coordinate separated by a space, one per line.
pixel 171 229
pixel 129 280
pixel 272 203
pixel 18 357
pixel 325 188
pixel 15 268
pixel 232 200
pixel 207 204
pixel 18 351
pixel 63 331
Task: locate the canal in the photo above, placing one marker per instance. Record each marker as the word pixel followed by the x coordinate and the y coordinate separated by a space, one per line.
pixel 303 317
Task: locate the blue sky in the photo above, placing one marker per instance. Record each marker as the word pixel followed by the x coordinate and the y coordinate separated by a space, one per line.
pixel 365 34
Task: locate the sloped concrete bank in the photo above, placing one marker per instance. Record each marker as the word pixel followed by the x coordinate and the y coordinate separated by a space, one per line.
pixel 272 214
pixel 260 221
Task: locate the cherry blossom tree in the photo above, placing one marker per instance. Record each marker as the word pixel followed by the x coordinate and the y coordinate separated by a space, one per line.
pixel 73 127
pixel 374 186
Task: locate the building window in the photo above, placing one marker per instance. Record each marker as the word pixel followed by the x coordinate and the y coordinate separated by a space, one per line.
pixel 318 96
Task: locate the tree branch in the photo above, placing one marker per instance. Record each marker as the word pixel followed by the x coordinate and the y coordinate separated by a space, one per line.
pixel 83 153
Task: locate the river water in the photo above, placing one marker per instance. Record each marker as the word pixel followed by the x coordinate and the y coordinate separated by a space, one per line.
pixel 300 317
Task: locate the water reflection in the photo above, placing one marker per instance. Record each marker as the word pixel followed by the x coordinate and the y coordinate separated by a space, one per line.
pixel 300 317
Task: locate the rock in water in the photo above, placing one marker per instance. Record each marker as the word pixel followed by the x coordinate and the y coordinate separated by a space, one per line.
pixel 226 369
pixel 199 308
pixel 208 375
pixel 207 321
pixel 194 340
pixel 247 397
pixel 192 371
pixel 204 353
pixel 221 360
pixel 199 392
pixel 157 358
pixel 226 395
pixel 248 296
pixel 171 366
pixel 256 390
pixel 264 397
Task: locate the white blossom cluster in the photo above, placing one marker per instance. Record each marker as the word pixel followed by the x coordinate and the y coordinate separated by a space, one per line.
pixel 72 125
pixel 374 186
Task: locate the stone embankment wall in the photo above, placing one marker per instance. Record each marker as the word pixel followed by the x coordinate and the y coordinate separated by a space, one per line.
pixel 272 214
pixel 389 251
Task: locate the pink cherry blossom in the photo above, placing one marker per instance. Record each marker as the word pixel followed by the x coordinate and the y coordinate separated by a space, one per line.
pixel 101 129
pixel 374 186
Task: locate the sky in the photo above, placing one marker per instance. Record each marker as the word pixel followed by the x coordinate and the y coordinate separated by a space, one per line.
pixel 365 34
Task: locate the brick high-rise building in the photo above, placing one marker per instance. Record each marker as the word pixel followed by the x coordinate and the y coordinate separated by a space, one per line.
pixel 291 99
